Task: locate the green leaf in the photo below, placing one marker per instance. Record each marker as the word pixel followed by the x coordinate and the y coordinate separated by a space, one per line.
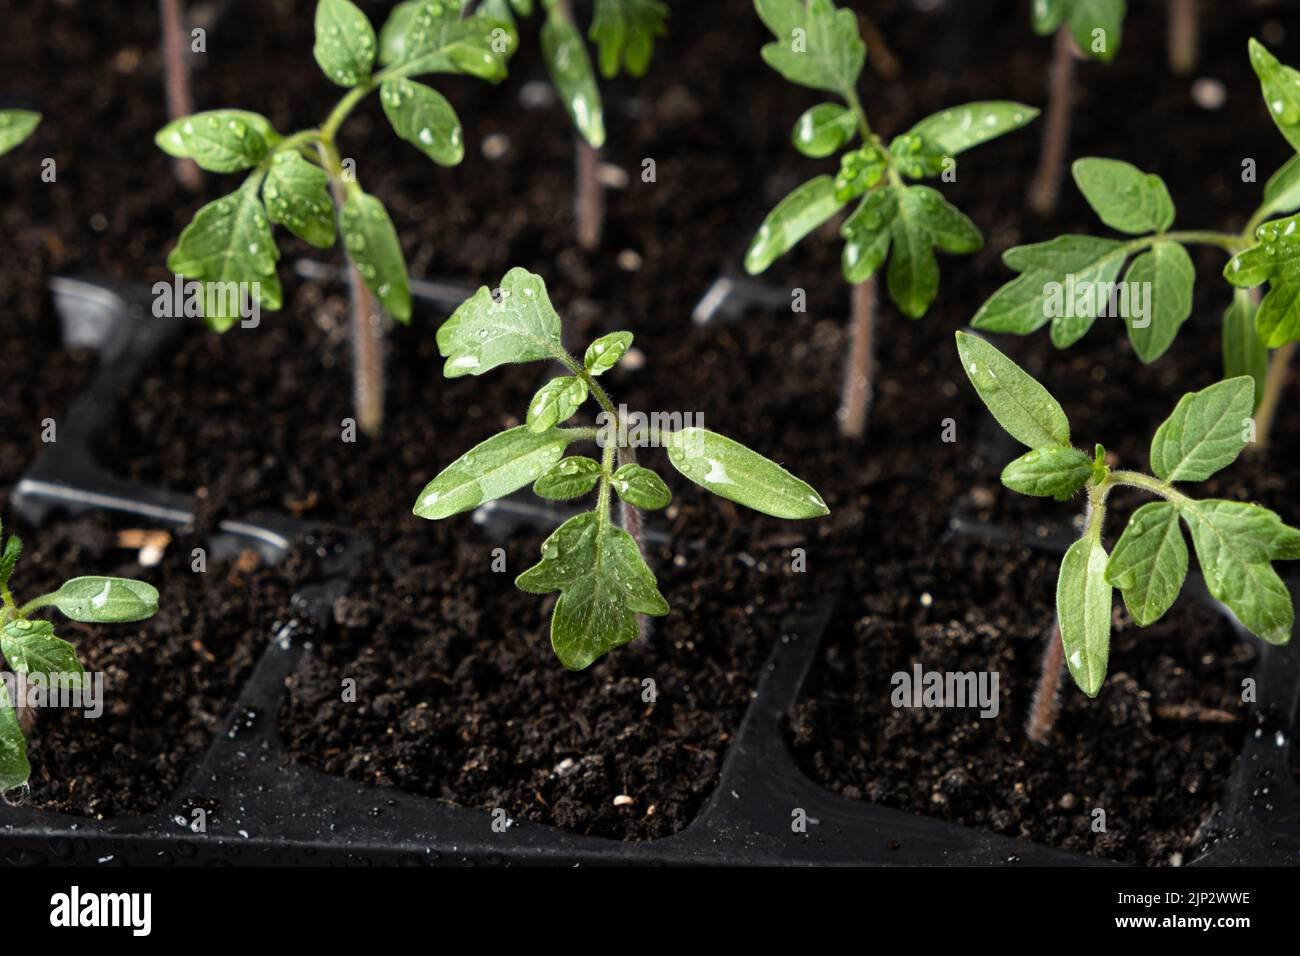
pixel 30 647
pixel 867 235
pixel 568 478
pixel 949 228
pixel 1048 15
pixel 641 488
pixel 484 332
pixel 1243 352
pixel 1281 88
pixel 555 402
pixel 1149 562
pixel 103 600
pixel 1235 544
pixel 1276 260
pixel 794 217
pixel 960 127
pixel 570 68
pixel 229 247
pixel 918 219
pixel 222 141
pixel 14 768
pixel 1049 472
pixel 913 270
pixel 345 42
pixel 392 35
pixel 16 126
pixel 1205 432
pixel 1025 409
pixel 624 32
pixel 492 469
pixel 730 470
pixel 816 44
pixel 1166 269
pixel 1274 257
pixel 9 558
pixel 431 37
pixel 1282 191
pixel 1097 26
pixel 604 353
pixel 1083 597
pixel 1064 281
pixel 422 116
pixel 297 197
pixel 1124 197
pixel 373 247
pixel 824 129
pixel 603 583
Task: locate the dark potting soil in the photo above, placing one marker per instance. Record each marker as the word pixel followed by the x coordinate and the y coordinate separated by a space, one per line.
pixel 170 682
pixel 976 607
pixel 459 696
pixel 253 419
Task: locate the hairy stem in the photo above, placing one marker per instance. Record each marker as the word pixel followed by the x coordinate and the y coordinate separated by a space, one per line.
pixel 1278 365
pixel 859 372
pixel 589 196
pixel 1047 694
pixel 1182 36
pixel 367 354
pixel 1046 184
pixel 365 323
pixel 176 80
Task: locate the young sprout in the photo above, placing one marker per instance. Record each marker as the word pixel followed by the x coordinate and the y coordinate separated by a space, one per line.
pixel 16 126
pixel 1071 280
pixel 818 46
pixel 1235 542
pixel 229 246
pixel 597 567
pixel 624 32
pixel 1083 27
pixel 44 661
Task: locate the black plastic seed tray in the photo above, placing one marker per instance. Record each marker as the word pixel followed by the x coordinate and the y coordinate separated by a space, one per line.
pixel 259 807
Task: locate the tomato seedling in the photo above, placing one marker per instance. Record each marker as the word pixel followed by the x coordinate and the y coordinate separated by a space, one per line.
pixel 297 180
pixel 44 661
pixel 818 46
pixel 598 567
pixel 1235 542
pixel 1070 281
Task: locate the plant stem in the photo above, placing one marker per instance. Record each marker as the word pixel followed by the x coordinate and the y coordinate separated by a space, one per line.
pixel 367 354
pixel 329 129
pixel 1046 184
pixel 1278 365
pixel 1182 36
pixel 1046 703
pixel 589 196
pixel 1047 694
pixel 631 515
pixel 859 372
pixel 366 322
pixel 176 81
pixel 1227 241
